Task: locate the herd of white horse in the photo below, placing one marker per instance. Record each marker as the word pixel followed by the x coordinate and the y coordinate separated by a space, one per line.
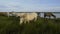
pixel 24 17
pixel 27 17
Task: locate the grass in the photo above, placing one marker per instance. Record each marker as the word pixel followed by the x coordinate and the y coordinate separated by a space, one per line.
pixel 11 26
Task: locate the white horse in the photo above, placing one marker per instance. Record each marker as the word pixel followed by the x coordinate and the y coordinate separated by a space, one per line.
pixel 10 14
pixel 5 14
pixel 14 14
pixel 28 17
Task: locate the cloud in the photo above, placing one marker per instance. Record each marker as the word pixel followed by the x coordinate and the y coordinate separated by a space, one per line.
pixel 27 5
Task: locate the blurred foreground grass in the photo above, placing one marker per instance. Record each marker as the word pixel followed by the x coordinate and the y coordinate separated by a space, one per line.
pixel 11 26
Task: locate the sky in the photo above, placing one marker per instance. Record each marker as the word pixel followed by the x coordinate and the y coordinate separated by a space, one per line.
pixel 30 5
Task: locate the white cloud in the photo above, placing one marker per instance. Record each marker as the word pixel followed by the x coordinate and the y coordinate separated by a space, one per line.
pixel 26 5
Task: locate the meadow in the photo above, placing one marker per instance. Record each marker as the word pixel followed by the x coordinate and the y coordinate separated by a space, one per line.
pixel 11 26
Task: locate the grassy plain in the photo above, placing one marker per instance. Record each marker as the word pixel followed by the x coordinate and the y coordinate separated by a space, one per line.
pixel 11 26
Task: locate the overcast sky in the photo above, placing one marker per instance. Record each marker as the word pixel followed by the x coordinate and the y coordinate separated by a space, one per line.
pixel 30 5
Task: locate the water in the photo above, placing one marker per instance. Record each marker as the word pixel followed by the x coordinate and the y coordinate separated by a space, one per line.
pixel 56 14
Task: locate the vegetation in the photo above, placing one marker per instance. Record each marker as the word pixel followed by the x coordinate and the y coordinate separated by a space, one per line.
pixel 11 26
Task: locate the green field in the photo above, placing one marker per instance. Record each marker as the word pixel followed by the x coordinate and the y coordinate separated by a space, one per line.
pixel 11 26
